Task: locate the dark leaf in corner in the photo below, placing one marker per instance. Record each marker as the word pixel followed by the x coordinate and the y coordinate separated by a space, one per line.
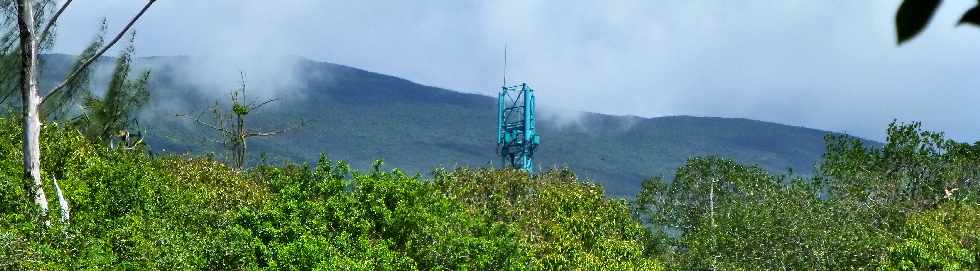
pixel 913 16
pixel 971 16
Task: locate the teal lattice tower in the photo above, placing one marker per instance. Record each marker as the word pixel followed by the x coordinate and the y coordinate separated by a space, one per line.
pixel 517 136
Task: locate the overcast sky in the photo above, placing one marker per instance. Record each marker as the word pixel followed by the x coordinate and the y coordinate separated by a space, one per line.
pixel 830 65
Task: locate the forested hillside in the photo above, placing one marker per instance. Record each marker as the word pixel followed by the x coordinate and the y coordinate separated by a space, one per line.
pixel 361 116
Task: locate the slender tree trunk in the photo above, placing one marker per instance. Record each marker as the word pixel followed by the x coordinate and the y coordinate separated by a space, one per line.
pixel 714 242
pixel 242 148
pixel 29 93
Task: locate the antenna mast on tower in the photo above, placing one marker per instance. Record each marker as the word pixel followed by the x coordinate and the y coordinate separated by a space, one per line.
pixel 505 64
pixel 517 135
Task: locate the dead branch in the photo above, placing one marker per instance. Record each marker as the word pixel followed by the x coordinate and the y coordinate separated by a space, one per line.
pixel 205 124
pixel 276 132
pixel 257 106
pixel 62 202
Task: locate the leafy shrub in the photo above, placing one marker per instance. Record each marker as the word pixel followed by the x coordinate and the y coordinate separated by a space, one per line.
pixel 946 238
pixel 133 211
pixel 908 205
pixel 328 217
pixel 564 223
pixel 730 217
pixel 128 210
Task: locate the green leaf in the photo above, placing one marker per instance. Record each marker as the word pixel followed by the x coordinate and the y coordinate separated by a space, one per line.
pixel 913 16
pixel 971 16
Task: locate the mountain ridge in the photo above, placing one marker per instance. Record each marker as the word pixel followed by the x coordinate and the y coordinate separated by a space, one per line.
pixel 360 116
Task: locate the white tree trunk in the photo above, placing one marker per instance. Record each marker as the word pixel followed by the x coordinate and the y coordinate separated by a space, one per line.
pixel 31 99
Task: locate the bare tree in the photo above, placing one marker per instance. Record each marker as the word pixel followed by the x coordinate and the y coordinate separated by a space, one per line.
pixel 233 129
pixel 30 95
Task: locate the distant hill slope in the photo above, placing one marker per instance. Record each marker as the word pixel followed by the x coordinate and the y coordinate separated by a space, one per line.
pixel 360 116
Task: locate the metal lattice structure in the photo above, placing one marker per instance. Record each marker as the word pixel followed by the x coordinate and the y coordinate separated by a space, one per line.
pixel 517 137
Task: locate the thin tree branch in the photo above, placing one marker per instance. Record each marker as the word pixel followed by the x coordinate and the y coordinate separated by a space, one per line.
pixel 256 107
pixel 276 132
pixel 242 74
pixel 271 133
pixel 133 146
pixel 215 141
pixel 6 96
pixel 99 54
pixel 205 124
pixel 47 28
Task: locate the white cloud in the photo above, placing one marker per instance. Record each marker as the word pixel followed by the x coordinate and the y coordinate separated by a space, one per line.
pixel 823 64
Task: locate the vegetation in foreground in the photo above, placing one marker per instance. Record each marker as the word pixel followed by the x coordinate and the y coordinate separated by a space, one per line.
pixel 131 211
pixel 909 205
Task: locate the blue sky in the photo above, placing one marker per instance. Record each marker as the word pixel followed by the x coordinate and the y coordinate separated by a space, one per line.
pixel 830 65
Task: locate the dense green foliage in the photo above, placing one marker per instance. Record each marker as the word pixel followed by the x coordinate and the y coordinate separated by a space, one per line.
pixel 563 223
pixel 133 211
pixel 908 205
pixel 127 210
